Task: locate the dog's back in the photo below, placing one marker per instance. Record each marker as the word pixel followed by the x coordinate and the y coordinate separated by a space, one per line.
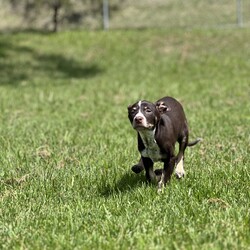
pixel 170 107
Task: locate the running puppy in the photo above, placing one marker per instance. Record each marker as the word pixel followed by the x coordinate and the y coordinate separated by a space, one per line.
pixel 159 126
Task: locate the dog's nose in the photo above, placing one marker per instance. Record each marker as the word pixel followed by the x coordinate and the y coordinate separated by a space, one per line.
pixel 138 119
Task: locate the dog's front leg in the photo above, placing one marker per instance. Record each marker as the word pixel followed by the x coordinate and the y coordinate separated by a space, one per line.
pixel 138 167
pixel 148 165
pixel 166 173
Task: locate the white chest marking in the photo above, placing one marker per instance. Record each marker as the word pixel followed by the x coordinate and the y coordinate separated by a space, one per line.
pixel 151 150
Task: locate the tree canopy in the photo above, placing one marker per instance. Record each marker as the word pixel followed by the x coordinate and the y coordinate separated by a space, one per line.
pixel 52 13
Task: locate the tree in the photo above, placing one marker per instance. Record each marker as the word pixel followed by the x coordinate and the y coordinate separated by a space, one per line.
pixel 32 8
pixel 55 5
pixel 52 13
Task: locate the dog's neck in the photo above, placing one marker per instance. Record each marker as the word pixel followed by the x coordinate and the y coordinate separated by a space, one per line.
pixel 151 149
pixel 148 138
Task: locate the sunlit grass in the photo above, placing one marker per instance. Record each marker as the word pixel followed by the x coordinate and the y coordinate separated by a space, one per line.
pixel 67 146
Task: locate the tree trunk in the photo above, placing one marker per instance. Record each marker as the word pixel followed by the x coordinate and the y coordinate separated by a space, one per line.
pixel 56 8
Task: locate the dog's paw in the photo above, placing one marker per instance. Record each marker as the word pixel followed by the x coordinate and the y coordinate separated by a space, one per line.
pixel 158 171
pixel 179 174
pixel 161 186
pixel 158 174
pixel 137 169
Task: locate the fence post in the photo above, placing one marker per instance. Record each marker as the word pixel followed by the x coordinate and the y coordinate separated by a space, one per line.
pixel 239 13
pixel 105 9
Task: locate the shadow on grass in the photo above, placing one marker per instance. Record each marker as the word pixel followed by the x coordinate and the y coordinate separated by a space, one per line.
pixel 15 31
pixel 126 183
pixel 22 63
pixel 67 67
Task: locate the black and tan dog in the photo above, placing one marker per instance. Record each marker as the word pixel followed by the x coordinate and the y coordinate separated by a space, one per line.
pixel 160 125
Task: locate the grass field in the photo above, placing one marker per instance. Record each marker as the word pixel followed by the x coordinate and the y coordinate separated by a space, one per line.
pixel 66 145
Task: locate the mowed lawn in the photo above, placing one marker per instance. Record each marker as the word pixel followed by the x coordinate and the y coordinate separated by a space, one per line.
pixel 66 145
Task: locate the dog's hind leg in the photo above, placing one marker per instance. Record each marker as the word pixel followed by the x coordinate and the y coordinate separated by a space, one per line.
pixel 179 170
pixel 166 172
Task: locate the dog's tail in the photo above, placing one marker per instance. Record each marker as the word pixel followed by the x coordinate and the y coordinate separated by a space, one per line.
pixel 192 143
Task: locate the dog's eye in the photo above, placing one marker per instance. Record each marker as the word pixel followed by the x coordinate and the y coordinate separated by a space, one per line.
pixel 133 109
pixel 148 110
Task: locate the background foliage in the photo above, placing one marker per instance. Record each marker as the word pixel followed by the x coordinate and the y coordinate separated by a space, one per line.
pixel 87 14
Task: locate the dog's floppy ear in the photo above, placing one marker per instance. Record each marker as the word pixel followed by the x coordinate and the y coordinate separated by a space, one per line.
pixel 130 106
pixel 162 107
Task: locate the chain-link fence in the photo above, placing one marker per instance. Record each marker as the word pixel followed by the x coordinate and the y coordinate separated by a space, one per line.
pixel 124 14
pixel 180 13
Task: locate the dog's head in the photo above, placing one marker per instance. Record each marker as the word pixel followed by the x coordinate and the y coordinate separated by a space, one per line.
pixel 143 115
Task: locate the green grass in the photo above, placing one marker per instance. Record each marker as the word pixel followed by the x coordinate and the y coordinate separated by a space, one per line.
pixel 66 145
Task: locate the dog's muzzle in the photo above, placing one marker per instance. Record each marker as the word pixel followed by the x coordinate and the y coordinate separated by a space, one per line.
pixel 140 123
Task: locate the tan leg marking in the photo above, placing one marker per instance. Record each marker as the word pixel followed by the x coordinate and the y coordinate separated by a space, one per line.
pixel 179 171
